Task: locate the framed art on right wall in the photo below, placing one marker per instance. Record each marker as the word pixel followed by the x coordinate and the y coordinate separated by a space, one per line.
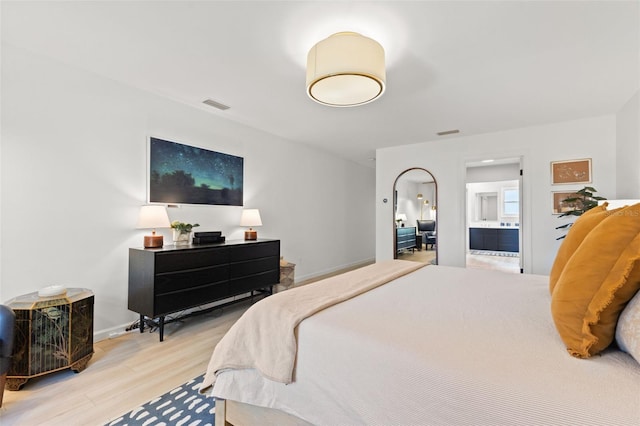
pixel 560 205
pixel 571 171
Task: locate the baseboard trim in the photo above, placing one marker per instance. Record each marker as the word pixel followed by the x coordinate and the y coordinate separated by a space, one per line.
pixel 112 332
pixel 316 276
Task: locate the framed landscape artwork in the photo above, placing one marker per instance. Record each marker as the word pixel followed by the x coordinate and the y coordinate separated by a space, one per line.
pixel 184 174
pixel 559 206
pixel 571 171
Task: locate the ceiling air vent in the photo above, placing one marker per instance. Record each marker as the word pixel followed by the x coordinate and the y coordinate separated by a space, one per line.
pixel 215 104
pixel 448 132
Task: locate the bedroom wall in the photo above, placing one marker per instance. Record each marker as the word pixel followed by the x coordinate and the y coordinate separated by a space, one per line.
pixel 73 160
pixel 493 173
pixel 407 201
pixel 537 146
pixel 628 149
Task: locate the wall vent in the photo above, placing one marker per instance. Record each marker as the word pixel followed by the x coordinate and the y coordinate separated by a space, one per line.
pixel 215 104
pixel 448 132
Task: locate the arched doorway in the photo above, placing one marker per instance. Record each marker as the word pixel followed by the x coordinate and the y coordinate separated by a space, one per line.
pixel 414 221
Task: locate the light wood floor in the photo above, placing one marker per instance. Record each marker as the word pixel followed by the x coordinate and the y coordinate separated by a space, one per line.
pixel 123 373
pixel 422 256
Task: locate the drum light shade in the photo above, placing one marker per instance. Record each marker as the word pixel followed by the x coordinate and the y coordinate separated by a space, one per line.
pixel 346 69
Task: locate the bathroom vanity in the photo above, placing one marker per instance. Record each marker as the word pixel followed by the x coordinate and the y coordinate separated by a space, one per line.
pixel 495 238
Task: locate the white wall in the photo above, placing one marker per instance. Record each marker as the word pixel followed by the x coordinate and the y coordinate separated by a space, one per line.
pixel 628 149
pixel 407 202
pixel 73 177
pixel 493 173
pixel 537 146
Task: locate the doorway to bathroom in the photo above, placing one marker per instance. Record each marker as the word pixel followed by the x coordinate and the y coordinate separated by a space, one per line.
pixel 493 214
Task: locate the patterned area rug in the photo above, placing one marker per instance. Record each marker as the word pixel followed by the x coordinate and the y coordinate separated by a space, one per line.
pixel 182 406
pixel 495 253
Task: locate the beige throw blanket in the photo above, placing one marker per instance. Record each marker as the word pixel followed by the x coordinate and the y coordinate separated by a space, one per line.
pixel 264 337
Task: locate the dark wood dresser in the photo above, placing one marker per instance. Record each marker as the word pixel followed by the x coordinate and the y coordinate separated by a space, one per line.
pixel 405 238
pixel 174 278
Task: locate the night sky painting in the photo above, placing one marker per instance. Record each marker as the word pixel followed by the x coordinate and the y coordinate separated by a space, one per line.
pixel 185 174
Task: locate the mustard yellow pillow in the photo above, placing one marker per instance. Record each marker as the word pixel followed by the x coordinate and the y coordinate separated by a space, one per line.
pixel 580 228
pixel 597 281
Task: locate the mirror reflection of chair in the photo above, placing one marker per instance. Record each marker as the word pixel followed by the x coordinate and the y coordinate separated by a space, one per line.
pixel 428 230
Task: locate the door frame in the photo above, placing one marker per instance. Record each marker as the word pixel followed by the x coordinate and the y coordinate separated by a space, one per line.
pixel 519 160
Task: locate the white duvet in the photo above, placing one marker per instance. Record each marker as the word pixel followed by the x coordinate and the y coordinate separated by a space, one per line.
pixel 445 346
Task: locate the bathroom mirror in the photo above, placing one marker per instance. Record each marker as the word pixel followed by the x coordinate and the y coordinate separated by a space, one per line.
pixel 487 206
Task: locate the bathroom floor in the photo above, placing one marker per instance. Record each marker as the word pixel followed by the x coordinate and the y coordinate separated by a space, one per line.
pixel 499 263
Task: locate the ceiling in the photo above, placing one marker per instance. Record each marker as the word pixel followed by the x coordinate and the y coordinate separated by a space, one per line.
pixel 476 66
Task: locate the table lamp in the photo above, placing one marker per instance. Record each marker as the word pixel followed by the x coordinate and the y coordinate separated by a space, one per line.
pixel 250 217
pixel 152 217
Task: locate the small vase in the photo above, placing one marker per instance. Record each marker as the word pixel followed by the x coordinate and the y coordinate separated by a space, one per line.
pixel 181 238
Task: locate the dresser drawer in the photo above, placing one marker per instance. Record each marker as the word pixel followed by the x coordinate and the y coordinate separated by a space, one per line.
pixel 174 281
pixel 175 301
pixel 190 259
pixel 255 281
pixel 254 251
pixel 256 266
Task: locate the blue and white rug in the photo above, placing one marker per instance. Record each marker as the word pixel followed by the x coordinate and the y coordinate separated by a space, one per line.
pixel 182 406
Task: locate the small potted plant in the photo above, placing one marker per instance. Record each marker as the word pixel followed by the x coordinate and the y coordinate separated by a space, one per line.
pixel 182 232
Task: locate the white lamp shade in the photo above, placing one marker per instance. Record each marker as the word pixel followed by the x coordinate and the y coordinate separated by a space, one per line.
pixel 346 69
pixel 250 217
pixel 153 217
pixel 401 216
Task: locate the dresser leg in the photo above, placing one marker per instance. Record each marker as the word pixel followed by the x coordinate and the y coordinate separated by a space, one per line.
pixel 161 328
pixel 141 323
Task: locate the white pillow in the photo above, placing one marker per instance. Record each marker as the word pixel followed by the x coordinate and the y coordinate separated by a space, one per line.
pixel 628 328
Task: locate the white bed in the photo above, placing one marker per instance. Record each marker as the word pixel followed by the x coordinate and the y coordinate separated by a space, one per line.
pixel 443 346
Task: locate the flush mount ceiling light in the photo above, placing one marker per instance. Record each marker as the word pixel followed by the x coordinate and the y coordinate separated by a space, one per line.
pixel 345 69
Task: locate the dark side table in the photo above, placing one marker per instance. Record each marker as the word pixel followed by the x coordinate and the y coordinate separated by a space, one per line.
pixel 419 241
pixel 52 334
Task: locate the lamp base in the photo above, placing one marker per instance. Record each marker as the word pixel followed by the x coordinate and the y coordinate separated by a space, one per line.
pixel 153 241
pixel 250 235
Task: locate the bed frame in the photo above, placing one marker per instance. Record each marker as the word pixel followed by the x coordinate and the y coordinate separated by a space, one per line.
pixel 235 413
